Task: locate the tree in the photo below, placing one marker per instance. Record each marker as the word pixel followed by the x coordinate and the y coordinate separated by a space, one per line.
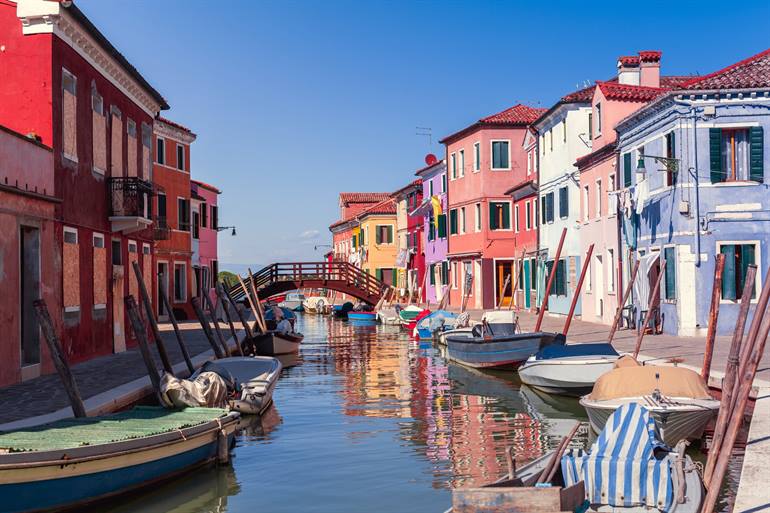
pixel 228 278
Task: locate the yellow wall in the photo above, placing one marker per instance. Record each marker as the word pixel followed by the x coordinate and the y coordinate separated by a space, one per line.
pixel 382 256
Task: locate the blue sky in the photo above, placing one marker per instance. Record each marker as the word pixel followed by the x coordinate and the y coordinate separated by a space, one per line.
pixel 294 102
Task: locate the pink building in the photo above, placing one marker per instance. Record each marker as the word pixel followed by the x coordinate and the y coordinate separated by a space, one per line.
pixel 483 161
pixel 205 226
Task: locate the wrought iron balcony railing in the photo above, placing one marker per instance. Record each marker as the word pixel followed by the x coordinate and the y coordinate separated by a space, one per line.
pixel 160 229
pixel 130 197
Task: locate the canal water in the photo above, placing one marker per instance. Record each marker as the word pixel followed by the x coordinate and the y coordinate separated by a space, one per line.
pixel 368 420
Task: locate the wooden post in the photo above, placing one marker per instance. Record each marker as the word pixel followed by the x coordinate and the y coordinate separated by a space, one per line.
pixel 182 347
pixel 257 301
pixel 730 380
pixel 165 360
pixel 551 275
pixel 648 314
pixel 196 304
pixel 622 303
pixel 57 356
pixel 576 295
pixel 761 306
pixel 516 278
pixel 212 312
pixel 257 320
pixel 141 337
pixel 742 398
pixel 716 294
pixel 226 308
pixel 244 321
pixel 549 471
pixel 502 292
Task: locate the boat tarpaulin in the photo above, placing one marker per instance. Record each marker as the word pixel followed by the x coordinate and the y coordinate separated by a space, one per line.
pixel 645 379
pixel 206 389
pixel 550 352
pixel 625 467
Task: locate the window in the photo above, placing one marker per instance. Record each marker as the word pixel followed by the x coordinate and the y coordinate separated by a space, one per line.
pixel 117 255
pixel 516 218
pixel 529 163
pixel 564 130
pixel 548 218
pixel 214 269
pixel 99 132
pixel 146 151
pixel 462 219
pixel 669 254
pixel 116 141
pixel 611 273
pixel 598 119
pixel 590 126
pixel 533 274
pixel 442 226
pixel 145 249
pixel 431 228
pixel 612 199
pixel 499 215
pixel 132 148
pixel 736 154
pixel 384 234
pixel 453 222
pixel 98 240
pixel 430 187
pixel 161 150
pixel 214 217
pixel 627 169
pixel 550 139
pixel 559 285
pixel 454 275
pixel 500 155
pixel 443 183
pixel 180 157
pixel 183 214
pixel 462 163
pixel 586 198
pixel 196 224
pixel 476 157
pixel 132 246
pixel 453 162
pixel 671 153
pixel 180 282
pixel 534 213
pixel 738 258
pixel 528 215
pixel 563 203
pixel 598 198
pixel 432 274
pixel 478 217
pixel 70 235
pixel 445 273
pixel 162 209
pixel 69 116
pixel 204 210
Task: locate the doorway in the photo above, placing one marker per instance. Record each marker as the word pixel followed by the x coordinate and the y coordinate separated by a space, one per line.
pixel 598 285
pixel 162 289
pixel 504 278
pixel 118 293
pixel 527 283
pixel 29 259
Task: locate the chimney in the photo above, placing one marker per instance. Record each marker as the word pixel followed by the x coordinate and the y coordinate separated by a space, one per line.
pixel 650 68
pixel 628 70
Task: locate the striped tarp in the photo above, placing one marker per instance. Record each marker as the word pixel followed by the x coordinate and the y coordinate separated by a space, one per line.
pixel 623 469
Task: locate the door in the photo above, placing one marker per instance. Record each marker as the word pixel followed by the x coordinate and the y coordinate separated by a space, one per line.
pixel 29 258
pixel 477 288
pixel 162 289
pixel 118 317
pixel 598 285
pixel 527 283
pixel 504 279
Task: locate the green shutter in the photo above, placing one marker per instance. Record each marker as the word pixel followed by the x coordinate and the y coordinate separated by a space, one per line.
pixel 431 229
pixel 492 216
pixel 715 154
pixel 756 154
pixel 747 259
pixel 728 275
pixel 670 256
pixel 432 270
pixel 390 234
pixel 543 217
pixel 453 221
pixel 378 235
pixel 445 273
pixel 378 273
pixel 549 200
pixel 506 215
pixel 627 169
pixel 563 202
pixel 361 240
pixel 442 225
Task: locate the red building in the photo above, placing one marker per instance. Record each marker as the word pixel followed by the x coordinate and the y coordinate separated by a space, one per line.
pixel 173 246
pixel 64 82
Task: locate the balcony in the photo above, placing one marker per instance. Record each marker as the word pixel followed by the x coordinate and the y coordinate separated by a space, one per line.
pixel 160 229
pixel 130 204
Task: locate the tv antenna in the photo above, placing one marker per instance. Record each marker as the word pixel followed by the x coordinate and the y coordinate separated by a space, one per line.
pixel 426 132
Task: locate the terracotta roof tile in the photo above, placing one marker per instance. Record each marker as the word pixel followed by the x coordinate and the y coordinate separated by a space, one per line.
pixel 629 60
pixel 629 93
pixel 384 207
pixel 411 185
pixel 516 115
pixel 584 95
pixel 363 197
pixel 751 73
pixel 650 55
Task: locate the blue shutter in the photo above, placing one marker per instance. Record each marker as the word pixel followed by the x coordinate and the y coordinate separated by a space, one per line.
pixel 728 275
pixel 549 199
pixel 756 154
pixel 715 155
pixel 627 169
pixel 563 202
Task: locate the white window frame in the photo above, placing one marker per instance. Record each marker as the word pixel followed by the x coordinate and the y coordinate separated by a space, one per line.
pixel 452 166
pixel 611 274
pixel 136 247
pixel 491 155
pixel 477 156
pixel 184 164
pixel 454 275
pixel 510 212
pixel 757 258
pixel 478 224
pixel 97 236
pixel 529 163
pixel 598 206
pixel 586 203
pixel 598 118
pixel 461 229
pixel 663 290
pixel 535 213
pixel 148 249
pixel 160 142
pixel 70 230
pixel 528 214
pixel 516 218
pixel 461 152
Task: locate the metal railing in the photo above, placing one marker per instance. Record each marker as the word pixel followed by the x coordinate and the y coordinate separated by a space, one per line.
pixel 130 197
pixel 160 229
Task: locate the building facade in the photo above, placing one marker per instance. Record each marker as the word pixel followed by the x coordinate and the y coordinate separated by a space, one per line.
pixel 433 207
pixel 345 233
pixel 712 200
pixel 483 160
pixel 205 227
pixel 410 259
pixel 375 228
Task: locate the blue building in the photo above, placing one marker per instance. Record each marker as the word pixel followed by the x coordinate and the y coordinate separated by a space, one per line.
pixel 695 167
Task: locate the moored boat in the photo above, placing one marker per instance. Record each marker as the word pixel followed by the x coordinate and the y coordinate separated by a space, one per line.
pixel 435 323
pixel 275 342
pixel 316 305
pixel 677 398
pixel 342 311
pixel 360 315
pixel 255 380
pixel 293 301
pixel 408 316
pixel 75 462
pixel 568 369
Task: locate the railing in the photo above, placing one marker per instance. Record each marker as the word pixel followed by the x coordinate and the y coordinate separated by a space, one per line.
pixel 323 274
pixel 160 229
pixel 130 197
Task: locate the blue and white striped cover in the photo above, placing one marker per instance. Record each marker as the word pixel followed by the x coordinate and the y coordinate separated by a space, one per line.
pixel 622 469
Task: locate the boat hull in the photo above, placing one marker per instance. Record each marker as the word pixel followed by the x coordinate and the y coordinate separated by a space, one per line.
pixel 362 316
pixel 272 344
pixel 567 376
pixel 257 377
pixel 498 352
pixel 36 484
pixel 685 422
pixel 295 306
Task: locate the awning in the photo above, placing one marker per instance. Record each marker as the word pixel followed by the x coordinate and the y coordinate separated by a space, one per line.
pixel 457 256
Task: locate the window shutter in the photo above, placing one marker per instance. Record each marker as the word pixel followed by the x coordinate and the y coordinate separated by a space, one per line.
pixel 378 273
pixel 728 281
pixel 627 169
pixel 361 238
pixel 442 225
pixel 747 259
pixel 561 278
pixel 756 154
pixel 492 217
pixel 550 207
pixel 506 215
pixel 563 202
pixel 390 234
pixel 453 221
pixel 670 255
pixel 715 154
pixel 379 235
pixel 445 273
pixel 495 154
pixel 543 217
pixel 432 274
pixel 431 229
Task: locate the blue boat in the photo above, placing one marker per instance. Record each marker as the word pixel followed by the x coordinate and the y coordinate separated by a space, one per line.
pixel 342 311
pixel 74 462
pixel 362 316
pixel 438 321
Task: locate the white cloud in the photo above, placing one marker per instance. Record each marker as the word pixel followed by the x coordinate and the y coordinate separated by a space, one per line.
pixel 309 234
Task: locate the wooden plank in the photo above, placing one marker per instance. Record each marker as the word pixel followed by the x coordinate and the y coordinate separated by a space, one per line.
pixel 57 356
pixel 165 360
pixel 506 500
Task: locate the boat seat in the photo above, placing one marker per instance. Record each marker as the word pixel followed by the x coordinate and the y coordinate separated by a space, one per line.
pixel 627 466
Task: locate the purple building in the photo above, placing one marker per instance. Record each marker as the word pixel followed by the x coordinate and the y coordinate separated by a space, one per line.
pixel 434 184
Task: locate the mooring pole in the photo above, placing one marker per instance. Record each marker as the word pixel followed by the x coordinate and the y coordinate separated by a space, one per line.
pixel 622 303
pixel 141 337
pixel 716 294
pixel 576 294
pixel 551 275
pixel 196 304
pixel 164 359
pixel 648 313
pixel 226 308
pixel 171 317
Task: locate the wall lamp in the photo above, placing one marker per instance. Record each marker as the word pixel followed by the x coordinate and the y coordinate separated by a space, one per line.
pixel 223 228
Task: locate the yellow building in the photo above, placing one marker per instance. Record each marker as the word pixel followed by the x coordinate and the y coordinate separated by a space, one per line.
pixel 377 240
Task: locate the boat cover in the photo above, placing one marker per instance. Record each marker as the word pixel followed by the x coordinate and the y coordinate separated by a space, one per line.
pixel 500 317
pixel 628 464
pixel 410 312
pixel 279 312
pixel 206 389
pixel 437 320
pixel 644 380
pixel 551 352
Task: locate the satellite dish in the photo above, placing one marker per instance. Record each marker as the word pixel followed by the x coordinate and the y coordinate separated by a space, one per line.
pixel 430 159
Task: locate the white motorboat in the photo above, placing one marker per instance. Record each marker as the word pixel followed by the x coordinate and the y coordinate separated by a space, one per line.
pixel 677 398
pixel 316 305
pixel 569 369
pixel 293 301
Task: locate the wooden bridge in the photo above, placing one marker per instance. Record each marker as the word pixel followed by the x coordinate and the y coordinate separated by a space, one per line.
pixel 340 276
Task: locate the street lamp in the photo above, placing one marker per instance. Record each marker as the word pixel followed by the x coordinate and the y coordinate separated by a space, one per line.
pixel 672 165
pixel 222 228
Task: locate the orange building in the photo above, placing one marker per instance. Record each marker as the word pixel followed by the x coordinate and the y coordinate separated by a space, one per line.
pixel 173 246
